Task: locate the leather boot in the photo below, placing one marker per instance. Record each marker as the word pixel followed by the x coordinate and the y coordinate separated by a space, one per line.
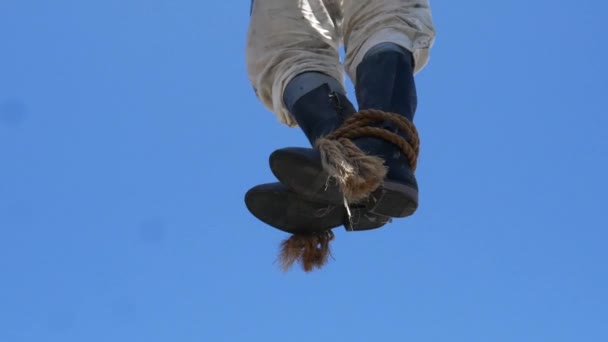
pixel 286 210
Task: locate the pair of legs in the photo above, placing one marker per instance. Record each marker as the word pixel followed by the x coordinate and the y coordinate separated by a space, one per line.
pixel 287 38
pixel 360 170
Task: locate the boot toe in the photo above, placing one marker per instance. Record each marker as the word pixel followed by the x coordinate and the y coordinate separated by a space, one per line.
pixel 285 210
pixel 300 169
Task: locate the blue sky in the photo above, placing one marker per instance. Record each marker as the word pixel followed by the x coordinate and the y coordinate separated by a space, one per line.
pixel 129 134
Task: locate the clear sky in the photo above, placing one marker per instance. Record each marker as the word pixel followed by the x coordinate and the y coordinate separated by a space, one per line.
pixel 129 134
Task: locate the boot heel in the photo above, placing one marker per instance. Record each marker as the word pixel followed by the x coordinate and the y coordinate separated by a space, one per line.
pixel 394 200
pixel 362 220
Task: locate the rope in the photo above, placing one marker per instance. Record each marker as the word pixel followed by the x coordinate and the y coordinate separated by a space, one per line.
pixel 357 126
pixel 310 250
pixel 357 173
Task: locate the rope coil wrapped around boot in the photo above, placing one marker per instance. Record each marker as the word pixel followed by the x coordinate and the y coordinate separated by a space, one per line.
pixel 357 173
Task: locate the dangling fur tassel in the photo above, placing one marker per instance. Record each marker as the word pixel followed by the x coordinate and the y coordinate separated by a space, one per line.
pixel 357 173
pixel 310 250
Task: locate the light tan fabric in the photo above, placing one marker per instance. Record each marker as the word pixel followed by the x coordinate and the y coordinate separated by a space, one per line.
pixel 288 37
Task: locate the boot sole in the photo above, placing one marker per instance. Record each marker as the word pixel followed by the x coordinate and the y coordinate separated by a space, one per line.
pixel 301 171
pixel 393 199
pixel 289 212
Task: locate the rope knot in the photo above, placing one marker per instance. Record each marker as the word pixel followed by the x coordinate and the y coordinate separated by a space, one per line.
pixel 357 173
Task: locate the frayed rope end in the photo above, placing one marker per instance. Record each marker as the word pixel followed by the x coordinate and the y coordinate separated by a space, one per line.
pixel 310 250
pixel 357 173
